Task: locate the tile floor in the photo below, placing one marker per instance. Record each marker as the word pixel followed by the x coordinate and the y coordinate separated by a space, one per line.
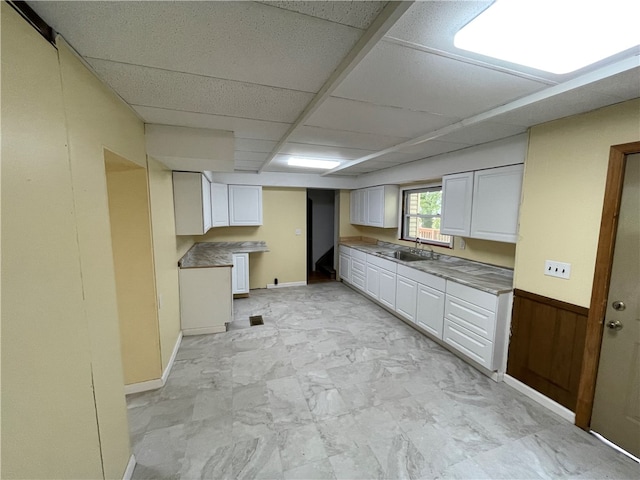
pixel 332 386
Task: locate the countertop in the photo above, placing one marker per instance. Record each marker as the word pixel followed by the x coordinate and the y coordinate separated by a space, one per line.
pixel 481 276
pixel 218 254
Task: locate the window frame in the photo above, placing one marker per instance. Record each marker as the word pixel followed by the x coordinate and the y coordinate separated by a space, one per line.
pixel 404 216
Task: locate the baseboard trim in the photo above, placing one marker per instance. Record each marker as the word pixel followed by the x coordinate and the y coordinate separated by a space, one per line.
pixel 555 407
pixel 288 284
pixel 204 330
pixel 128 473
pixel 167 370
pixel 154 384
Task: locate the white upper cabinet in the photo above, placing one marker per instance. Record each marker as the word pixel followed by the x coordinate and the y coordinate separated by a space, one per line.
pixel 482 204
pixel 375 206
pixel 245 205
pixel 457 192
pixel 192 203
pixel 219 205
pixel 496 201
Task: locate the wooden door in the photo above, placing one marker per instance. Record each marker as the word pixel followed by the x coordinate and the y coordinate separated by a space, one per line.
pixel 616 407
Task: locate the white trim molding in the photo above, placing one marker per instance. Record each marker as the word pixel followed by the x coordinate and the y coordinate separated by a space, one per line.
pixel 157 383
pixel 167 370
pixel 128 472
pixel 288 284
pixel 154 384
pixel 540 398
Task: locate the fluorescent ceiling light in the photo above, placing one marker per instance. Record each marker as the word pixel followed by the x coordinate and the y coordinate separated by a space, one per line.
pixel 557 36
pixel 312 163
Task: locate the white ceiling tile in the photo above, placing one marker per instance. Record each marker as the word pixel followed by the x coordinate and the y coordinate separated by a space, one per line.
pixel 322 151
pixel 435 23
pixel 181 91
pixel 242 127
pixel 258 157
pixel 251 145
pixel 482 133
pixel 354 116
pixel 356 14
pixel 434 147
pixel 342 138
pixel 404 77
pixel 243 41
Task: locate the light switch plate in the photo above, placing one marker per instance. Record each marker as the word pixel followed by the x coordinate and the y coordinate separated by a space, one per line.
pixel 557 269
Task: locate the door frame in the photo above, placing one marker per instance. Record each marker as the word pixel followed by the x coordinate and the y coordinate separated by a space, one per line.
pixel 601 279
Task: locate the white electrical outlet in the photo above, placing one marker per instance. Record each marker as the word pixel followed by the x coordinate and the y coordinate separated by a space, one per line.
pixel 298 231
pixel 557 269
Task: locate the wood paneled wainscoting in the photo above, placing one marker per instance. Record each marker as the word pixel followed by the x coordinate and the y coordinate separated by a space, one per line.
pixel 547 345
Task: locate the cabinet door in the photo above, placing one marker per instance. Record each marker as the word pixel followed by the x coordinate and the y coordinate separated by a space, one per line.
pixel 240 273
pixel 375 207
pixel 354 207
pixel 373 281
pixel 496 203
pixel 192 203
pixel 362 206
pixel 387 294
pixel 206 203
pixel 245 205
pixel 457 194
pixel 430 310
pixel 406 292
pixel 219 205
pixel 345 267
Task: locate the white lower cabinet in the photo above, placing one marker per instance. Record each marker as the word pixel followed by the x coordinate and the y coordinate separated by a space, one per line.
pixel 206 303
pixel 240 273
pixel 344 264
pixel 406 295
pixel 358 269
pixel 475 324
pixel 373 281
pixel 387 288
pixel 430 310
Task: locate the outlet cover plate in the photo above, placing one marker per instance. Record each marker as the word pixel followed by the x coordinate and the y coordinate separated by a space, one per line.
pixel 557 269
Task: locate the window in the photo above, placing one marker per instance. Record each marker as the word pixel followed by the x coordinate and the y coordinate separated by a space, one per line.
pixel 421 216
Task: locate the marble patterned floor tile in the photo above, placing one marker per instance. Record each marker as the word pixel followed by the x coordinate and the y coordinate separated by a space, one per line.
pixel 252 423
pixel 258 458
pixel 288 405
pixel 300 445
pixel 318 470
pixel 361 464
pixel 333 386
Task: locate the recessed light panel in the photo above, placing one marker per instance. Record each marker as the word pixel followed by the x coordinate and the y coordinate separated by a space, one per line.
pixel 312 163
pixel 557 36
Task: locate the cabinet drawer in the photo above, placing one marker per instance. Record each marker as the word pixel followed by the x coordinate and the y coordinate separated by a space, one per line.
pixel 470 316
pixel 382 263
pixel 472 295
pixel 357 267
pixel 422 277
pixel 344 250
pixel 358 254
pixel 468 343
pixel 357 280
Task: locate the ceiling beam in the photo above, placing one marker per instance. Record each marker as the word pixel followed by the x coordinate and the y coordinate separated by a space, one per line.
pixel 389 15
pixel 581 81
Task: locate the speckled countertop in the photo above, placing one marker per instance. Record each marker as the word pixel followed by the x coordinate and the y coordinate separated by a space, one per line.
pixel 218 254
pixel 487 278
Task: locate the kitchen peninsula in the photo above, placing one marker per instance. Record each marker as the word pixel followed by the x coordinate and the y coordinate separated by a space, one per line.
pixel 210 273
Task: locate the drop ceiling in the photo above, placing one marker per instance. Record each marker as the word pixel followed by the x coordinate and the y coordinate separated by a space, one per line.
pixel 372 84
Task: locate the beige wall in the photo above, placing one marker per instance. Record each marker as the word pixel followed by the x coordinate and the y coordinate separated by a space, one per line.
pixel 165 254
pixel 49 425
pixel 494 253
pixel 284 211
pixel 134 273
pixel 563 190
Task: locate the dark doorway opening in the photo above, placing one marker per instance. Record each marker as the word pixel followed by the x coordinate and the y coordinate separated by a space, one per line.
pixel 321 235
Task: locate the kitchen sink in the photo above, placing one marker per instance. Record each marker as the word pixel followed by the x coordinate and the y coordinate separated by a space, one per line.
pixel 404 256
